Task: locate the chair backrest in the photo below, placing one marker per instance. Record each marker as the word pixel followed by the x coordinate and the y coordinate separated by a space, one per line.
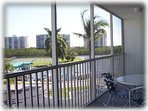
pixel 137 95
pixel 109 82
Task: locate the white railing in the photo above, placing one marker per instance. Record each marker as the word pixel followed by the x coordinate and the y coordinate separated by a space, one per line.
pixel 35 88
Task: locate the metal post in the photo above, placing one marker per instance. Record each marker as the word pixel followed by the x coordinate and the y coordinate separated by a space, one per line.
pixel 111 32
pixel 54 52
pixel 93 82
pixel 8 93
pixel 123 49
pixel 92 30
pixel 112 48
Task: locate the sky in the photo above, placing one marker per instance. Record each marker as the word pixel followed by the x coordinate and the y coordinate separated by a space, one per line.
pixel 30 20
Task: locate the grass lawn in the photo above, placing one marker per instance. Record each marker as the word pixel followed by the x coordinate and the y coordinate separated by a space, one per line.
pixel 49 62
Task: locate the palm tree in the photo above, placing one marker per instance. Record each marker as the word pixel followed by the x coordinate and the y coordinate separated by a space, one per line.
pixel 8 67
pixel 61 44
pixel 99 30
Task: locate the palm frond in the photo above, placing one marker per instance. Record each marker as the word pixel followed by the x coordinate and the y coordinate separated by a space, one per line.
pixel 100 24
pixel 58 30
pixel 78 34
pixel 100 33
pixel 48 44
pixel 87 28
pixel 48 31
pixel 83 20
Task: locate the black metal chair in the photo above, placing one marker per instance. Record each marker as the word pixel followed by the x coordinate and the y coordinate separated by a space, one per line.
pixel 117 92
pixel 136 96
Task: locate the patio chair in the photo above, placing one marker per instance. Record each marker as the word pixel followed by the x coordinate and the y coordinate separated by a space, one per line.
pixel 117 92
pixel 136 96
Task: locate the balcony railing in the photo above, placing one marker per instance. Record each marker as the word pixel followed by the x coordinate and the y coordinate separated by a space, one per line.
pixel 36 88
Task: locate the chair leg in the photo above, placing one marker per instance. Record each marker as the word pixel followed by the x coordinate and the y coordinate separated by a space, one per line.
pixel 107 101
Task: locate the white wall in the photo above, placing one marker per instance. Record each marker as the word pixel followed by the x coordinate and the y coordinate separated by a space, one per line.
pixel 134 44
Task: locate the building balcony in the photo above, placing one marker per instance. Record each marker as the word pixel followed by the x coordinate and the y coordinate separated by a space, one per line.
pixel 80 84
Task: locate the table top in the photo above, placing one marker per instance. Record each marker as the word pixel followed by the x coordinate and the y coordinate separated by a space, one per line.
pixel 132 79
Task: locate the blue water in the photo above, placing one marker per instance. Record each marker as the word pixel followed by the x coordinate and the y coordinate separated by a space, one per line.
pixel 16 64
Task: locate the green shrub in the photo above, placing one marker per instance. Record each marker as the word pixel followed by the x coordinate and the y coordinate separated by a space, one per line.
pixel 70 54
pixel 27 52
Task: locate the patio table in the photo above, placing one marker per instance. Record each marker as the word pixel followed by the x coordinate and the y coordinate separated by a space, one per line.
pixel 132 79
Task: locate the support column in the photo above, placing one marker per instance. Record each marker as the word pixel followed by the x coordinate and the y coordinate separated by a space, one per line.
pixel 92 30
pixel 123 50
pixel 93 71
pixel 111 32
pixel 112 48
pixel 54 52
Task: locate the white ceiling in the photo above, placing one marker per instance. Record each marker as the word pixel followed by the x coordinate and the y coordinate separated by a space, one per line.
pixel 124 10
